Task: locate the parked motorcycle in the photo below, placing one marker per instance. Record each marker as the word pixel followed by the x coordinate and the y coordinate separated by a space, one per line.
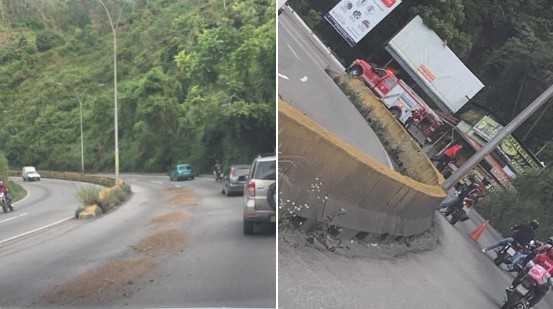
pixel 6 204
pixel 536 277
pixel 458 212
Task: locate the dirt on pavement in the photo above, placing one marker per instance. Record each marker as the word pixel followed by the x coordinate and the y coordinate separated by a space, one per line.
pixel 122 277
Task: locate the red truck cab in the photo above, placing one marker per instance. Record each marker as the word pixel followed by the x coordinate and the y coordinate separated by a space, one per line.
pixel 402 101
pixel 379 80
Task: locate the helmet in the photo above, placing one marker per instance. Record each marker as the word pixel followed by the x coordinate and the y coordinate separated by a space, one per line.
pixel 1 183
pixel 550 240
pixel 534 224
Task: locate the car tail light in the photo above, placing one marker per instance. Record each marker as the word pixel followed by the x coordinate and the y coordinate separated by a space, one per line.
pixel 251 188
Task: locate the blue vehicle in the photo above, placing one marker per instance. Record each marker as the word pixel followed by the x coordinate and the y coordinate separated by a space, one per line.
pixel 181 171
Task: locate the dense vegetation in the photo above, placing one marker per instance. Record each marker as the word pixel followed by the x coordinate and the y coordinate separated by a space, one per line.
pixel 531 200
pixel 196 82
pixel 506 43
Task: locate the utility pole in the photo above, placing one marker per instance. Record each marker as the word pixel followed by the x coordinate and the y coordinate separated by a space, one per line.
pixel 494 142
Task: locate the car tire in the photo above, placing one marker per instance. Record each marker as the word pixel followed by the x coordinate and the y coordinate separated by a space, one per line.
pixel 355 71
pixel 248 227
pixel 396 113
pixel 192 178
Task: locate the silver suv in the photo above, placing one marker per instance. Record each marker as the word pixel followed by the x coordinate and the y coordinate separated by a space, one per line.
pixel 257 208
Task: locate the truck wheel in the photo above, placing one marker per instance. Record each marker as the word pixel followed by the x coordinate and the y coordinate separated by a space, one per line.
pixel 396 112
pixel 355 71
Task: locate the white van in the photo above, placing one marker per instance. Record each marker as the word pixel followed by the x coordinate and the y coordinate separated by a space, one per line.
pixel 29 173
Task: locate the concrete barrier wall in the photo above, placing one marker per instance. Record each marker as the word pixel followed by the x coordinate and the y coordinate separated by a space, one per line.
pixel 106 181
pixel 321 171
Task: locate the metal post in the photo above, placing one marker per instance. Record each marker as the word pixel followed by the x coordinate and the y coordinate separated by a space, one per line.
pixel 114 93
pixel 82 139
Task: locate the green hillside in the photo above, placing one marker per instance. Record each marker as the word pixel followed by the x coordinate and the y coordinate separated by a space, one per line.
pixel 196 82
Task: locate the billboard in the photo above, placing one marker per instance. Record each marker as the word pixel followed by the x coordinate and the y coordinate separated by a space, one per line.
pixel 435 67
pixel 510 149
pixel 353 19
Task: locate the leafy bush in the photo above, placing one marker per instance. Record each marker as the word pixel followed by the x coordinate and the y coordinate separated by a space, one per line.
pixel 530 200
pixel 48 39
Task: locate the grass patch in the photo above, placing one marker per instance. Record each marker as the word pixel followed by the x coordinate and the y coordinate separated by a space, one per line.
pixel 106 198
pixel 16 191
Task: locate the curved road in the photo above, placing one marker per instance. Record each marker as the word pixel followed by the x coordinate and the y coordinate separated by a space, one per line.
pixel 48 202
pixel 173 244
pixel 303 83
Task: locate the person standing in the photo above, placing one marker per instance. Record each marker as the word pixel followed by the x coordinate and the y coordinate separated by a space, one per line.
pixel 450 154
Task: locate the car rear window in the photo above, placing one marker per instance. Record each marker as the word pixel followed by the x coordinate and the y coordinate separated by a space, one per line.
pixel 240 172
pixel 265 170
pixel 184 168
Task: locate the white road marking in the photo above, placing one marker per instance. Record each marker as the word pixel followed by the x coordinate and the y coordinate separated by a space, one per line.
pixel 9 219
pixel 157 182
pixel 304 79
pixel 35 230
pixel 300 45
pixel 283 76
pixel 293 51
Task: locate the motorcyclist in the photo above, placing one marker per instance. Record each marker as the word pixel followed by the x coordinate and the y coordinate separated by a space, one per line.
pixel 473 190
pixel 5 190
pixel 538 248
pixel 545 260
pixel 524 234
pixel 218 170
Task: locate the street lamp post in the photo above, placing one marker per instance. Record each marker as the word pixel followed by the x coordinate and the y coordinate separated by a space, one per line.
pixel 114 31
pixel 80 98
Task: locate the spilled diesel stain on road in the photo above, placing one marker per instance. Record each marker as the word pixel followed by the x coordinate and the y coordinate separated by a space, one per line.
pixel 163 241
pixel 170 218
pixel 115 276
pixel 181 196
pixel 121 278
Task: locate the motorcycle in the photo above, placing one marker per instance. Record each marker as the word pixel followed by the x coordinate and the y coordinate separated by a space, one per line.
pixel 457 211
pixel 506 254
pixel 218 175
pixel 6 204
pixel 536 277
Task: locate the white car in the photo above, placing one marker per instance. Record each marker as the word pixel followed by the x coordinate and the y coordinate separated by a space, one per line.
pixel 29 173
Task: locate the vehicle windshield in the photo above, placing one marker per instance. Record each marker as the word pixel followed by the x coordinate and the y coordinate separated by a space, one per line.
pixel 265 170
pixel 240 172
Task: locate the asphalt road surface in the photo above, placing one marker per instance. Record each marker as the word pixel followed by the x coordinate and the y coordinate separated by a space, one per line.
pixel 303 83
pixel 455 274
pixel 173 244
pixel 48 202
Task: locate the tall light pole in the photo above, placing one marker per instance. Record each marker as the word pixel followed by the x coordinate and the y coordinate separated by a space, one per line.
pixel 114 31
pixel 80 98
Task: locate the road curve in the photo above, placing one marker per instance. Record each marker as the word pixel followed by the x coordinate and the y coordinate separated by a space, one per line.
pixel 173 244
